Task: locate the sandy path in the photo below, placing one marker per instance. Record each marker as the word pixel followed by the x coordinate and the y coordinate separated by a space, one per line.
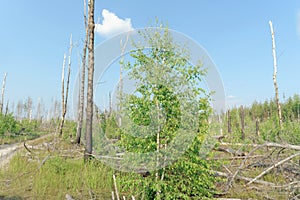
pixel 8 150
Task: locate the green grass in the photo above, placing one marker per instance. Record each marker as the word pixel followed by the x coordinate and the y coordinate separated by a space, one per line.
pixel 60 174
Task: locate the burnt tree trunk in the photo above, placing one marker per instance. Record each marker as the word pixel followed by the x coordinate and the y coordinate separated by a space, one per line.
pixel 6 109
pixel 81 95
pixel 89 107
pixel 257 126
pixel 123 47
pixel 65 97
pixel 110 104
pixel 242 116
pixel 229 121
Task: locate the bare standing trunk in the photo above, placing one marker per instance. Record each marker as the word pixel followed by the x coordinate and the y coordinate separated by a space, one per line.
pixel 29 106
pixel 275 74
pixel 229 121
pixel 81 98
pixel 39 111
pixel 110 104
pixel 123 47
pixel 257 126
pixel 242 115
pixel 63 83
pixel 62 94
pixel 89 107
pixel 6 109
pixel 2 94
pixel 220 123
pixel 65 98
pixel 19 111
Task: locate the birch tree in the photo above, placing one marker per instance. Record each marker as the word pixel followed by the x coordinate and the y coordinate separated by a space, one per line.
pixel 275 75
pixel 2 94
pixel 166 91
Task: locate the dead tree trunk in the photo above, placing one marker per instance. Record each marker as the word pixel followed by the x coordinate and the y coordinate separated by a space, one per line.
pixel 242 116
pixel 39 111
pixel 229 121
pixel 65 97
pixel 89 107
pixel 81 95
pixel 110 104
pixel 62 94
pixel 220 123
pixel 29 108
pixel 257 126
pixel 274 75
pixel 2 94
pixel 6 109
pixel 123 47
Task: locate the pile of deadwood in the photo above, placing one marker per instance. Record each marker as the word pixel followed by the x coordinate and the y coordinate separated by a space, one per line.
pixel 270 170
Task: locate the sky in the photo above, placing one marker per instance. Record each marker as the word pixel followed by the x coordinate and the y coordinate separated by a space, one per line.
pixel 35 35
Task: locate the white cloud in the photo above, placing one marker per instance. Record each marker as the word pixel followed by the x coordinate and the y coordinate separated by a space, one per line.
pixel 231 97
pixel 112 24
pixel 298 23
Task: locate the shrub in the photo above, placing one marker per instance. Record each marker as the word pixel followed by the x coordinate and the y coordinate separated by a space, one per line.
pixel 8 124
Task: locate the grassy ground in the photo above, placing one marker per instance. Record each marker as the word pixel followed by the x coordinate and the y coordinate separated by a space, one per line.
pixel 51 171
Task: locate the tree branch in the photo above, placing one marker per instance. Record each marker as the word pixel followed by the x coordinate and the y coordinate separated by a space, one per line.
pixel 272 167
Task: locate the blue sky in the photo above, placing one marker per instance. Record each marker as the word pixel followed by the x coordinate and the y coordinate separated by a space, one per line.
pixel 35 34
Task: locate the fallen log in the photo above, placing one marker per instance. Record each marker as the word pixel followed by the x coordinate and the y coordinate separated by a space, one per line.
pixel 267 144
pixel 272 167
pixel 235 157
pixel 222 174
pixel 231 151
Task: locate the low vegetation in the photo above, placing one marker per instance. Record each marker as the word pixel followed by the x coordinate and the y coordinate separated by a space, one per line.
pixel 51 169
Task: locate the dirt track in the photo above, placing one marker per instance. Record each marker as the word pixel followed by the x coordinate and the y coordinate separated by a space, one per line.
pixel 8 150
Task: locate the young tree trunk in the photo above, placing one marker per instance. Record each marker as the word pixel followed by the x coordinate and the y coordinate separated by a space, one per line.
pixel 81 95
pixel 65 98
pixel 157 150
pixel 2 94
pixel 298 113
pixel 274 75
pixel 89 107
